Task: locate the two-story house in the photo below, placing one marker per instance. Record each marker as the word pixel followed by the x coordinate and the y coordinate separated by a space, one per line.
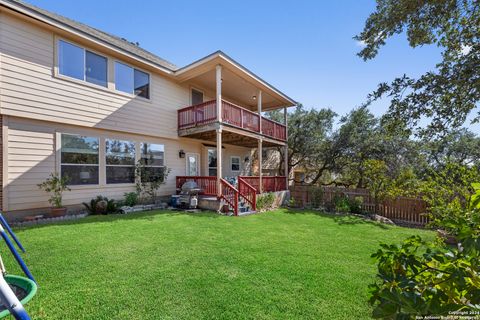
pixel 90 105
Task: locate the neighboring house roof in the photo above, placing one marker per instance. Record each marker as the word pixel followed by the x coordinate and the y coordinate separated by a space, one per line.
pixel 111 39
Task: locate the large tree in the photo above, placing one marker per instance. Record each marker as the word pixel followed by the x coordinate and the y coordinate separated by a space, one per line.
pixel 447 96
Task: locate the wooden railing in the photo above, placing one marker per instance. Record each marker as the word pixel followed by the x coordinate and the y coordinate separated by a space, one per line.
pixel 200 114
pixel 270 184
pixel 400 209
pixel 230 195
pixel 206 113
pixel 248 193
pixel 207 184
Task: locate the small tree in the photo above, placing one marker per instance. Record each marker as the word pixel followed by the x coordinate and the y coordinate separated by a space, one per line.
pixel 376 180
pixel 149 179
pixel 55 185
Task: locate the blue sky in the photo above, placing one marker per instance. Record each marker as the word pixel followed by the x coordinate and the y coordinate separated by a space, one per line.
pixel 304 48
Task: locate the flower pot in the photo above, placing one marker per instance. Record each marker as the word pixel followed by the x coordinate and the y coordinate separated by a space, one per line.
pixel 58 212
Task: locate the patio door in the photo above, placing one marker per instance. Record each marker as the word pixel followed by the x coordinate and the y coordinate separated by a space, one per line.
pixel 193 166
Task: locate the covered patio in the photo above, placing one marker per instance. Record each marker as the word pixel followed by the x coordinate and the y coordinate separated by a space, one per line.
pixel 232 114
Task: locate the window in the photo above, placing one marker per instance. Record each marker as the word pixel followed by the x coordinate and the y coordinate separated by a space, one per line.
pixel 79 159
pixel 153 158
pixel 96 69
pixel 81 64
pixel 132 81
pixel 212 162
pixel 197 97
pixel 71 60
pixel 235 163
pixel 120 161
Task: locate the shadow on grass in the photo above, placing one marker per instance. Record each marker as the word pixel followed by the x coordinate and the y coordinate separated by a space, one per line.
pixel 341 219
pixel 144 215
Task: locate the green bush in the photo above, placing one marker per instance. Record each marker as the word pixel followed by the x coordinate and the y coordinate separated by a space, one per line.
pixel 430 278
pixel 131 199
pixel 101 205
pixel 265 201
pixel 341 204
pixel 356 205
pixel 316 196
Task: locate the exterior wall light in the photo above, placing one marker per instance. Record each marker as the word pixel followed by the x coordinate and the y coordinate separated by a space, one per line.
pixel 181 154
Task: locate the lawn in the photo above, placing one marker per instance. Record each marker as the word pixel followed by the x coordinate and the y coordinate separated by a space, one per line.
pixel 166 265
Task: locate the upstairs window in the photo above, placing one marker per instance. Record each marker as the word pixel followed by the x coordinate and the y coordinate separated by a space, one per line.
pixel 197 97
pixel 78 63
pixel 235 163
pixel 131 80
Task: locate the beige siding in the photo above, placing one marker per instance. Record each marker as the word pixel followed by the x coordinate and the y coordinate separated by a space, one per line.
pixel 32 157
pixel 29 89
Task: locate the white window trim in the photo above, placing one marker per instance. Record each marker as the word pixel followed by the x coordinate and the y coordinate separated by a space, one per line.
pixel 102 174
pixel 133 95
pixel 110 73
pixel 120 165
pixel 239 163
pixel 208 162
pixel 84 80
pixel 58 143
pixel 196 89
pixel 198 164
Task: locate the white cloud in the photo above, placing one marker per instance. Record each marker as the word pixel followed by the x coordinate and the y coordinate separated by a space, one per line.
pixel 361 43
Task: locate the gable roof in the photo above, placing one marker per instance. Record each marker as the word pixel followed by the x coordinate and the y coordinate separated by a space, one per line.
pixel 135 51
pixel 111 39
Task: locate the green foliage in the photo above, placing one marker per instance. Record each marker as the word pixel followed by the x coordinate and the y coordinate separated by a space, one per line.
pixel 475 197
pixel 148 180
pixel 316 196
pixel 424 278
pixel 265 201
pixel 101 205
pixel 55 185
pixel 131 199
pixel 446 95
pixel 344 204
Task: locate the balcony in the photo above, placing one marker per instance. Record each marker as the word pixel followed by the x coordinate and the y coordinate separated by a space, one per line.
pixel 232 115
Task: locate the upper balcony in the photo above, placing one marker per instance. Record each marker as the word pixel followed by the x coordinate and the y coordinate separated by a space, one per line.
pixel 204 114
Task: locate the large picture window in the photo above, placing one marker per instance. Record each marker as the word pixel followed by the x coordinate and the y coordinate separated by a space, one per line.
pixel 79 159
pixel 152 157
pixel 131 80
pixel 120 161
pixel 78 63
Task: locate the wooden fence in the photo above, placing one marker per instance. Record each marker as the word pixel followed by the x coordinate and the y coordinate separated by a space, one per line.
pixel 401 209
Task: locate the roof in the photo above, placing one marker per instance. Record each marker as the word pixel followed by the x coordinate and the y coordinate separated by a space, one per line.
pixel 111 39
pixel 135 50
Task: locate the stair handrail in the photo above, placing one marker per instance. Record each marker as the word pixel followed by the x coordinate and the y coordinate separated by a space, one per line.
pixel 234 205
pixel 253 192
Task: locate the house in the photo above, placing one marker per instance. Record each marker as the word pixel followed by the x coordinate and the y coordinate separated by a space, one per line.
pixel 89 105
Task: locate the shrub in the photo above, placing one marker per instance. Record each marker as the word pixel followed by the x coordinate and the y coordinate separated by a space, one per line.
pixel 316 196
pixel 265 201
pixel 341 204
pixel 429 278
pixel 149 181
pixel 55 185
pixel 131 199
pixel 101 205
pixel 356 205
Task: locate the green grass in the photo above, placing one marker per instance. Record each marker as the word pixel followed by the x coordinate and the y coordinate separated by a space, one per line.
pixel 164 265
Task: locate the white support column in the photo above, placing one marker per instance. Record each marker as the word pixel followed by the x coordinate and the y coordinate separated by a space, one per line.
pixel 285 121
pixel 260 166
pixel 218 80
pixel 219 161
pixel 259 109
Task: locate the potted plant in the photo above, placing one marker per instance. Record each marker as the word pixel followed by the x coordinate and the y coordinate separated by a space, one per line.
pixel 55 185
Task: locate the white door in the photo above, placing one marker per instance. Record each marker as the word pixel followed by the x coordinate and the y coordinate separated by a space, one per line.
pixel 193 165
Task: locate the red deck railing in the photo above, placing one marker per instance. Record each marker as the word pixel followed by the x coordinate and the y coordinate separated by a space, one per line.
pixel 230 195
pixel 270 184
pixel 207 184
pixel 232 114
pixel 248 193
